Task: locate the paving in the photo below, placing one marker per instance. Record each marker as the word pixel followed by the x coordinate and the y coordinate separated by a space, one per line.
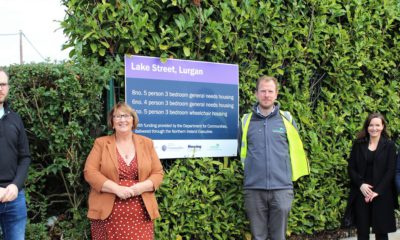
pixel 392 236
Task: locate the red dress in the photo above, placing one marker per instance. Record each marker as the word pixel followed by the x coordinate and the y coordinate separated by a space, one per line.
pixel 129 218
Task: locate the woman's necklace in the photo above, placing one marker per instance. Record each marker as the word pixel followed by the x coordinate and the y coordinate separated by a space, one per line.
pixel 127 151
pixel 127 155
pixel 372 145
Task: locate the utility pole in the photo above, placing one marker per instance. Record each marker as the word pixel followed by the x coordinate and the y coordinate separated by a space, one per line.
pixel 21 60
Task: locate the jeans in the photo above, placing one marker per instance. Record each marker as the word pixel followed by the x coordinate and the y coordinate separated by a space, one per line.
pixel 13 218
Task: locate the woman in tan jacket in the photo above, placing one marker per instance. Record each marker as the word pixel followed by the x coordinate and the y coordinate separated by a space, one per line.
pixel 123 171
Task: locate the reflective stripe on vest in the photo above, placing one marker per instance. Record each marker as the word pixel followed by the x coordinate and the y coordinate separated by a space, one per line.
pixel 298 159
pixel 245 127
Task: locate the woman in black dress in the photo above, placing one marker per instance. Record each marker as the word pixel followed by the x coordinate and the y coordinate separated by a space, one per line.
pixel 372 167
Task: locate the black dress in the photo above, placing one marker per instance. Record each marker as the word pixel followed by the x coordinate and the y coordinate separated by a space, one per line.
pixel 378 169
pixel 363 210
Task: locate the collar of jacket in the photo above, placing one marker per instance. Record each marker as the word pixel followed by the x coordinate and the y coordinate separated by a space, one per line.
pixel 365 142
pixel 276 110
pixel 6 106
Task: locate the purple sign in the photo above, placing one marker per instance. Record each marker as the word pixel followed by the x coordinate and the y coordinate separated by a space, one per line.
pixel 180 70
pixel 189 108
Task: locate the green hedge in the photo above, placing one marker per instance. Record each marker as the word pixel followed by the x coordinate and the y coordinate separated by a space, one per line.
pixel 62 109
pixel 336 61
pixel 202 199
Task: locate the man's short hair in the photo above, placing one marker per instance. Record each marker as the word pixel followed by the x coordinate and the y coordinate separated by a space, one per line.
pixel 267 79
pixel 5 72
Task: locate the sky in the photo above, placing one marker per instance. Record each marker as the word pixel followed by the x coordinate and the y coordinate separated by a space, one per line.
pixel 37 19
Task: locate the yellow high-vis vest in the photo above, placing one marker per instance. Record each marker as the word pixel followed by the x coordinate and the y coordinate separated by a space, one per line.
pixel 298 159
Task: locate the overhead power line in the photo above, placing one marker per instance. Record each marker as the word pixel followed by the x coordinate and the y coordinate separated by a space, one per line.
pixel 8 34
pixel 21 34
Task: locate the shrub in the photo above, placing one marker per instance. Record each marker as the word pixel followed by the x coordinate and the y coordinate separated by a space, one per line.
pixel 62 109
pixel 201 199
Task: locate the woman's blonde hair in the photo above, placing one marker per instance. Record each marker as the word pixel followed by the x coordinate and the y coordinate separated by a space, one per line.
pixel 125 108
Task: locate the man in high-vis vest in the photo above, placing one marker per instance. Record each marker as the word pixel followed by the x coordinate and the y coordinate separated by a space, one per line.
pixel 273 157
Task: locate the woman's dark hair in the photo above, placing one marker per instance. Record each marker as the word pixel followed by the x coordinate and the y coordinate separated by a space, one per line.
pixel 363 134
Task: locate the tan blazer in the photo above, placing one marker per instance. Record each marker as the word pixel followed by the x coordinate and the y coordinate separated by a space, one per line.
pixel 102 165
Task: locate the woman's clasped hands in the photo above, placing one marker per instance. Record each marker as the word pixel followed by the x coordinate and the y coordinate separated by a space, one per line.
pixel 368 193
pixel 124 192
